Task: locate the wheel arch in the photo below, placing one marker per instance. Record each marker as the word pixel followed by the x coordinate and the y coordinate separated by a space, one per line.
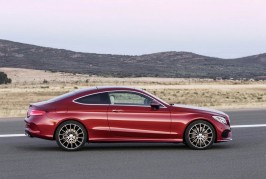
pixel 200 119
pixel 70 119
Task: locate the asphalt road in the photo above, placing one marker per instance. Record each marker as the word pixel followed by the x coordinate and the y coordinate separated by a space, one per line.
pixel 244 157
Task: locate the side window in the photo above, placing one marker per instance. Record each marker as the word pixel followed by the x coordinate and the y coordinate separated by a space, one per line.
pixel 100 98
pixel 129 98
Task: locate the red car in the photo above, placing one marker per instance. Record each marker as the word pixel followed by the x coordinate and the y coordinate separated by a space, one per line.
pixel 121 114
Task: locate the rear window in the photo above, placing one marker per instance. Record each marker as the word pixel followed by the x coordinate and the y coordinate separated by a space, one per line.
pixel 70 94
pixel 100 98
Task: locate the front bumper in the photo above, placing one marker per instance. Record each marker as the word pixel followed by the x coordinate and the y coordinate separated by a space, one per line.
pixel 226 136
pixel 224 133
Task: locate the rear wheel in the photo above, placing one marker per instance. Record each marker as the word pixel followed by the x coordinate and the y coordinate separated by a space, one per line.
pixel 200 135
pixel 71 135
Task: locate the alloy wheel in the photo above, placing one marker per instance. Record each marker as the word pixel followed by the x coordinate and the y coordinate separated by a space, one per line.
pixel 200 135
pixel 71 136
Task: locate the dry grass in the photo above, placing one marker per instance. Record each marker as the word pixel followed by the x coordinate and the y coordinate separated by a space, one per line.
pixel 33 85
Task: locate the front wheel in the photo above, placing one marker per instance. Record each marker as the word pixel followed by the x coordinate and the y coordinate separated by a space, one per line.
pixel 71 135
pixel 200 135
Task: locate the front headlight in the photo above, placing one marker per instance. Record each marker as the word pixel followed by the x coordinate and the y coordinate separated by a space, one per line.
pixel 220 119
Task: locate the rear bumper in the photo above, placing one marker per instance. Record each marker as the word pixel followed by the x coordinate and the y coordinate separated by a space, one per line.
pixel 31 133
pixel 37 127
pixel 27 133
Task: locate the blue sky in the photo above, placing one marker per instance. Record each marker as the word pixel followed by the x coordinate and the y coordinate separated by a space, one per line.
pixel 221 28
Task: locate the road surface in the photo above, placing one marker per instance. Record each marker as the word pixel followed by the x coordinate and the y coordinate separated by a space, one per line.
pixel 244 157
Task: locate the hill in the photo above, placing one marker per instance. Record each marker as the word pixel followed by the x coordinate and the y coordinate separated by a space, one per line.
pixel 164 64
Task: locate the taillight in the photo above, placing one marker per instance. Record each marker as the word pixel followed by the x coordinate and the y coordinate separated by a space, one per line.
pixel 37 113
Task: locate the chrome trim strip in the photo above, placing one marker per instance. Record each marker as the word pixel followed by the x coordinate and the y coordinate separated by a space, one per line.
pixel 74 100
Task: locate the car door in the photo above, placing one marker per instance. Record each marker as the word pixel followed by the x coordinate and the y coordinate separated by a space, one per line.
pixel 131 116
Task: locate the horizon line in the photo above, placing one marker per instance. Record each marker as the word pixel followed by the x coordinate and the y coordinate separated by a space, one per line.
pixel 158 52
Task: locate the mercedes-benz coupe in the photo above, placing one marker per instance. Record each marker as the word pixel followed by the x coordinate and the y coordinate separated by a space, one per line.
pixel 123 114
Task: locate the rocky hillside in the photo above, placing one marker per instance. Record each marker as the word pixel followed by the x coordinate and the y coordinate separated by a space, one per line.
pixel 164 64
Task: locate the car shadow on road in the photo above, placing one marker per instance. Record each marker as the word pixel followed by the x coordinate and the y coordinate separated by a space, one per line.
pixel 119 147
pixel 146 146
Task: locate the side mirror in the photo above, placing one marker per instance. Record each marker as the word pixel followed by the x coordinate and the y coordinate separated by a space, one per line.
pixel 155 105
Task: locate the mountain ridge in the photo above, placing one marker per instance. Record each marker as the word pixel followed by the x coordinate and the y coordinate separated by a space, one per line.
pixel 161 64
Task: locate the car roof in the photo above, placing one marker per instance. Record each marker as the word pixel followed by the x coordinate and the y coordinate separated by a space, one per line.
pixel 116 87
pixel 91 90
pixel 84 91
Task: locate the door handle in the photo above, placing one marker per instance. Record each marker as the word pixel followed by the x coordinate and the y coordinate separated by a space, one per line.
pixel 117 110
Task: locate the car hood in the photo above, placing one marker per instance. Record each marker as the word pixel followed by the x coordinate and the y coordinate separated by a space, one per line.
pixel 202 109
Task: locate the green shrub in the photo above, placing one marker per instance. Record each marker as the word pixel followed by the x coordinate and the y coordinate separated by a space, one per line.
pixel 4 79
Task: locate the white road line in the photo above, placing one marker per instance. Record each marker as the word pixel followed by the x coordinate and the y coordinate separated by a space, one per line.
pixel 12 135
pixel 250 125
pixel 233 126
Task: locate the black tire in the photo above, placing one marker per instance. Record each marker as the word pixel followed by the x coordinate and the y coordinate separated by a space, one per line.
pixel 71 135
pixel 200 135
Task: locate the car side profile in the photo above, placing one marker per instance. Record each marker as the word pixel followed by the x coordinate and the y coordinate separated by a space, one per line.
pixel 123 114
